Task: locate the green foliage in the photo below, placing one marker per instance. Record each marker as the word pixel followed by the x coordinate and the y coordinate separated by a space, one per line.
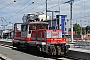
pixel 88 29
pixel 83 30
pixel 77 28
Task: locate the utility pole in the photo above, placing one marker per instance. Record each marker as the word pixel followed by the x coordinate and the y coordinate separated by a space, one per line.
pixel 46 9
pixel 71 21
pixel 59 7
pixel 81 30
pixel 52 14
pixel 2 26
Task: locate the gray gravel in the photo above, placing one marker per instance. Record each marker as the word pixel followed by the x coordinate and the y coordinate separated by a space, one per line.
pixel 17 55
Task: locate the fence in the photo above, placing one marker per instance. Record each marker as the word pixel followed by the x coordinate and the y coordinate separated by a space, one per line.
pixel 82 44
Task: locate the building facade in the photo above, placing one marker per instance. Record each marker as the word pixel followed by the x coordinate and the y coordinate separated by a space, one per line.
pixel 60 22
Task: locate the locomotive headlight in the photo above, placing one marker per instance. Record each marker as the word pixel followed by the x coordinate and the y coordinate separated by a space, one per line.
pixel 64 39
pixel 14 0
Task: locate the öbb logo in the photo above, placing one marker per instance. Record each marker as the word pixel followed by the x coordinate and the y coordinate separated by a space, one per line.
pixel 54 34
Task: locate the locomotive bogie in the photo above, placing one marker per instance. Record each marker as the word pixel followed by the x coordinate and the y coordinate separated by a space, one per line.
pixel 50 49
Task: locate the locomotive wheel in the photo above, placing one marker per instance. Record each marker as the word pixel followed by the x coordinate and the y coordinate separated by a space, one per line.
pixel 65 50
pixel 59 51
pixel 18 46
pixel 38 49
pixel 25 46
pixel 54 51
pixel 49 51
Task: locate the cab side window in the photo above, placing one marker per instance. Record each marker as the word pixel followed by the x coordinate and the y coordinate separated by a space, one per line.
pixel 29 30
pixel 24 28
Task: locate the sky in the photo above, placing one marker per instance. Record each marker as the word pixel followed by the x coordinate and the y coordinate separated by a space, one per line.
pixel 13 11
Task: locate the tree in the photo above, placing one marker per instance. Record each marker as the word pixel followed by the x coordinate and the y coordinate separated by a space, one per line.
pixel 83 30
pixel 77 28
pixel 87 29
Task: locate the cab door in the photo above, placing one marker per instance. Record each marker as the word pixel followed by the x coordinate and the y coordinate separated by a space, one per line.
pixel 24 31
pixel 29 32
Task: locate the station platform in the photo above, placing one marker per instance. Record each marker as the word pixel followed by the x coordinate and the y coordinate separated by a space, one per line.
pixel 80 50
pixel 6 40
pixel 80 46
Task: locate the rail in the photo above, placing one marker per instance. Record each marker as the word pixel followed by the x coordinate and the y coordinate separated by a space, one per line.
pixel 72 54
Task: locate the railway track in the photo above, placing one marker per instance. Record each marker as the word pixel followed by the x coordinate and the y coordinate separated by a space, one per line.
pixel 8 45
pixel 1 58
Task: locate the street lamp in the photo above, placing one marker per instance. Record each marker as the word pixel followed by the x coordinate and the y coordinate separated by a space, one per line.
pixel 46 9
pixel 71 21
pixel 2 27
pixel 81 29
pixel 14 0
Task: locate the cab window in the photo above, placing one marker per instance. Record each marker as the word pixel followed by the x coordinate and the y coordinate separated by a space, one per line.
pixel 44 26
pixel 23 28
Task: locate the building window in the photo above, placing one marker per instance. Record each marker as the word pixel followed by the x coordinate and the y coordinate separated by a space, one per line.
pixel 60 24
pixel 65 23
pixel 65 29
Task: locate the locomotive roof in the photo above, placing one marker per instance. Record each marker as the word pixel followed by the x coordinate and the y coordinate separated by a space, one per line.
pixel 37 22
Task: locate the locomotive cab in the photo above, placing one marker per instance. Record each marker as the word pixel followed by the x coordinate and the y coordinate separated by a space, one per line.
pixel 27 28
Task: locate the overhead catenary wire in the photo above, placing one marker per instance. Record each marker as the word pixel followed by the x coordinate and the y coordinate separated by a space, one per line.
pixel 59 4
pixel 4 19
pixel 20 10
pixel 2 1
pixel 38 6
pixel 22 5
pixel 84 12
pixel 82 17
pixel 6 5
pixel 24 8
pixel 73 18
pixel 49 7
pixel 16 10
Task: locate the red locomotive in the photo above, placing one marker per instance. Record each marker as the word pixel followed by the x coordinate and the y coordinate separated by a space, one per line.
pixel 35 35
